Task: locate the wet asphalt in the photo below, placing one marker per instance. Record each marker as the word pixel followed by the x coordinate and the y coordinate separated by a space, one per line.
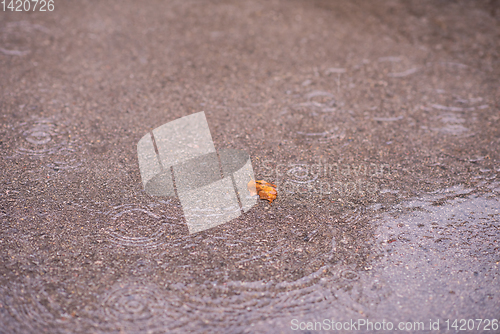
pixel 378 121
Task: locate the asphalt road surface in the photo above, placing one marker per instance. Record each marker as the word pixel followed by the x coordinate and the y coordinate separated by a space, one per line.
pixel 379 121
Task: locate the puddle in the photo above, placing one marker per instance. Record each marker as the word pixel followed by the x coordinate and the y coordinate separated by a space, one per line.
pixel 442 255
pixel 437 249
pixel 132 266
pixel 392 223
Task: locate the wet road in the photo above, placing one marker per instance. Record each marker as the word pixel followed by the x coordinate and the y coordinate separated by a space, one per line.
pixel 379 122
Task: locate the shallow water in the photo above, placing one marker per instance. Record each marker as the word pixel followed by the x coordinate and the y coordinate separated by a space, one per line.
pixel 378 124
pixel 436 249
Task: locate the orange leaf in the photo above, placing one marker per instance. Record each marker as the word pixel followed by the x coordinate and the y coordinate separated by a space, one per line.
pixel 264 183
pixel 265 189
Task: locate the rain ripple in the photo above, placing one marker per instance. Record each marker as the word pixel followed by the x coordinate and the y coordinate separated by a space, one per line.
pixel 142 226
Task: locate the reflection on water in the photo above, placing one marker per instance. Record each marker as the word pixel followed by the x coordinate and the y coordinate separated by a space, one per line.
pixel 442 248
